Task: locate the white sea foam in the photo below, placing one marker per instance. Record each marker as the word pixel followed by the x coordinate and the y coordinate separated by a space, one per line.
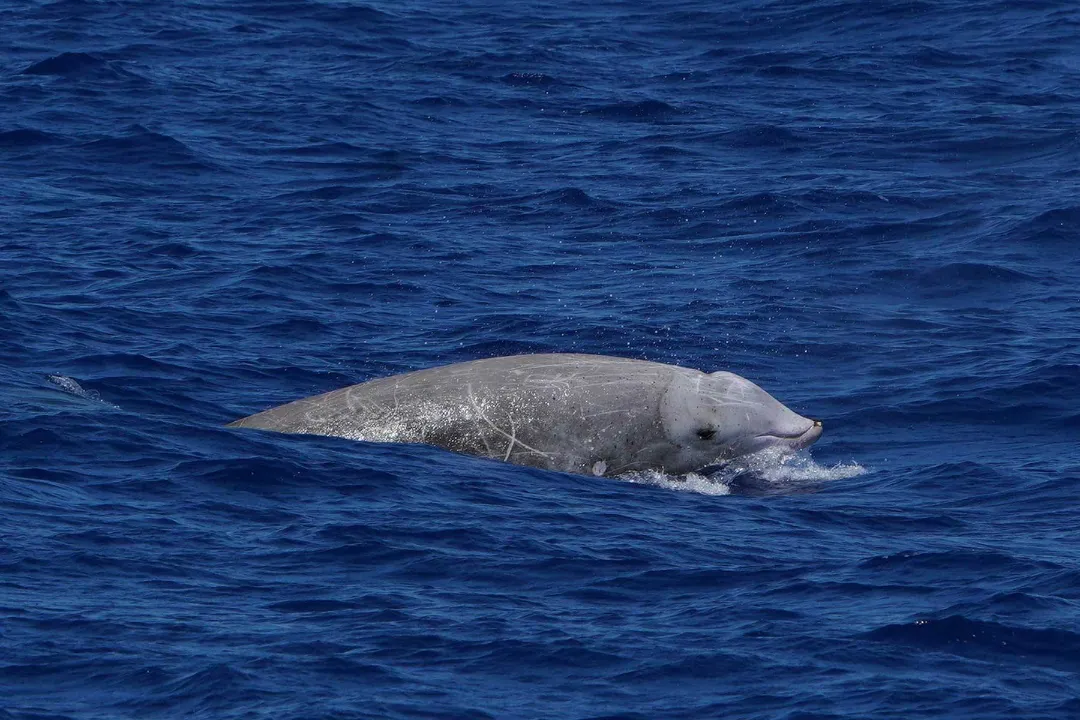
pixel 691 482
pixel 768 471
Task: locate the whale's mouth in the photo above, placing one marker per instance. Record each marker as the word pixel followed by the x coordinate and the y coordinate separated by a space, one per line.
pixel 795 441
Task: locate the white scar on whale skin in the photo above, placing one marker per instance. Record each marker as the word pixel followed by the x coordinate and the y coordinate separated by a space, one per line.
pixel 586 414
pixel 511 436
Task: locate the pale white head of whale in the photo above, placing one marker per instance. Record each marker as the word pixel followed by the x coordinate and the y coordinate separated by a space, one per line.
pixel 715 417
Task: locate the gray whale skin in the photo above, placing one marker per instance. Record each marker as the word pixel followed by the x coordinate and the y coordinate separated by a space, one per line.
pixel 587 414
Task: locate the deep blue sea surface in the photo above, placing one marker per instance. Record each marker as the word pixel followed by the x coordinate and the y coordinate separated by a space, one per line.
pixel 872 209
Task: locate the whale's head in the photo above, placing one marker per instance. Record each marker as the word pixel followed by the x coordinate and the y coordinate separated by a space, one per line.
pixel 719 416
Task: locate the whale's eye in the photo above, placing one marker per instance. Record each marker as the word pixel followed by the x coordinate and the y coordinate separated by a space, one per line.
pixel 706 433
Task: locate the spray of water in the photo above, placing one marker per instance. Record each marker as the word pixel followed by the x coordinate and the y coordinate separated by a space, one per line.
pixel 691 482
pixel 767 472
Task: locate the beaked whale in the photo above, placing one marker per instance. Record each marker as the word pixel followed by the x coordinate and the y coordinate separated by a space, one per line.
pixel 588 414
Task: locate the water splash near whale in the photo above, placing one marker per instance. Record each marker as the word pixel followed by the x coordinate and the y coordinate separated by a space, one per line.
pixel 768 472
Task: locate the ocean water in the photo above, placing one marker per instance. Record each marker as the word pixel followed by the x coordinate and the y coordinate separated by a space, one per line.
pixel 872 209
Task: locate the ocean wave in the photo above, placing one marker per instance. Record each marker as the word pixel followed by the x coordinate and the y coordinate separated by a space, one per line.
pixel 988 640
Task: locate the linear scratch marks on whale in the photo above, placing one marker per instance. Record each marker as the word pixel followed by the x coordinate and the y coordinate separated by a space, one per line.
pixel 511 436
pixel 513 440
pixel 365 406
pixel 616 411
pixel 563 383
